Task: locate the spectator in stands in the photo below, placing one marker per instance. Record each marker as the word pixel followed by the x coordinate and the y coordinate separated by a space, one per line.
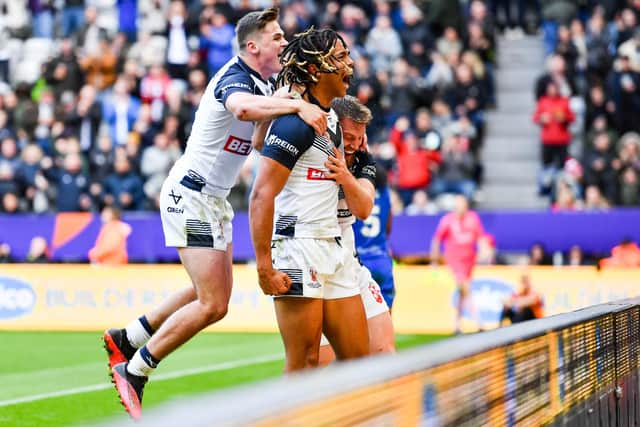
pixel 565 198
pixel 5 253
pixel 414 164
pixel 111 244
pixel 526 304
pixel 123 188
pixel 63 72
pixel 631 49
pixel 127 18
pixel 216 39
pixel 554 116
pixel 599 105
pixel 34 185
pixel 383 45
pixel 421 205
pixel 555 13
pixel 100 67
pixel 626 95
pixel 38 251
pixel 153 90
pixel 83 121
pixel 88 37
pixel 42 14
pixel 455 173
pixel 593 199
pixel 557 73
pixel 119 112
pixel 156 162
pixel 629 187
pixel 72 185
pixel 416 37
pixel 601 167
pixel 367 88
pixel 626 254
pixel 538 255
pixel 10 203
pixel 449 43
pixel 575 257
pixel 72 17
pixel 177 43
pixel 598 41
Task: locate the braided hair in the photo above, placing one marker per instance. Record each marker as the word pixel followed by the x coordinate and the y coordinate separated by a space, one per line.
pixel 310 47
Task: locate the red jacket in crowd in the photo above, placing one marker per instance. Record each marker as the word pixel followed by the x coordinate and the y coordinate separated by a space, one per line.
pixel 554 115
pixel 414 163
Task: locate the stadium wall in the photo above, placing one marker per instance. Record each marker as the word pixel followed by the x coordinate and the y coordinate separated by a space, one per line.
pixel 87 297
pixel 573 369
pixel 71 235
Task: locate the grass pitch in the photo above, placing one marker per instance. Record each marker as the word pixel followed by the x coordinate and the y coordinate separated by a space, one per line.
pixel 61 378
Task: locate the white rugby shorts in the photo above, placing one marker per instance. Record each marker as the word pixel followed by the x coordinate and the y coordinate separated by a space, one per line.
pixel 315 266
pixel 193 219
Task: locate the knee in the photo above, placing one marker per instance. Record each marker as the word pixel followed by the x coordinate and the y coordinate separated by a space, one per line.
pixel 214 311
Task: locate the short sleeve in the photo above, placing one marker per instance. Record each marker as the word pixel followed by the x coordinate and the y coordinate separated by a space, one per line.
pixel 287 140
pixel 233 81
pixel 365 167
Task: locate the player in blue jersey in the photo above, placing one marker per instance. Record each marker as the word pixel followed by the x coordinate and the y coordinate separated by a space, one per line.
pixel 196 216
pixel 371 240
pixel 292 211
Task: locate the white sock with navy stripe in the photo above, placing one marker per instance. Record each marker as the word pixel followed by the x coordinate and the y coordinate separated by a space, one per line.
pixel 142 363
pixel 139 331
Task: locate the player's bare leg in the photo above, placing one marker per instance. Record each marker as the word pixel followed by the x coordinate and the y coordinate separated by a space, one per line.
pixel 210 272
pixel 345 326
pixel 170 305
pixel 463 294
pixel 300 323
pixel 381 339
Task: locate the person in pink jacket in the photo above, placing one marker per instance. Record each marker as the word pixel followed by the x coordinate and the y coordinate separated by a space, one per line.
pixel 459 231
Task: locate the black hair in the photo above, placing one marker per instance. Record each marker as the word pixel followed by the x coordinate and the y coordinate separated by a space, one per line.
pixel 307 48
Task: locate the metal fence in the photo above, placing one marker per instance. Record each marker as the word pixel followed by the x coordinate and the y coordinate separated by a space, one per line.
pixel 579 368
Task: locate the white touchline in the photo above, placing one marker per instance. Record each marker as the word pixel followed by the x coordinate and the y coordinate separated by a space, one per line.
pixel 159 377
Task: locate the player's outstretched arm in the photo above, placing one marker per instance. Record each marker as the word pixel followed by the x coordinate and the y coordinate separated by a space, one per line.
pixel 359 193
pixel 257 108
pixel 271 178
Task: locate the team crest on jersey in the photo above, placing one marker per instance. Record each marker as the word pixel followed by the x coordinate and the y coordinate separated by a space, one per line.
pixel 313 273
pixel 238 145
pixel 375 291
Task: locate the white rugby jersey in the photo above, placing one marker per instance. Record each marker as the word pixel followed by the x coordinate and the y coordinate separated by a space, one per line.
pixel 364 166
pixel 307 205
pixel 219 143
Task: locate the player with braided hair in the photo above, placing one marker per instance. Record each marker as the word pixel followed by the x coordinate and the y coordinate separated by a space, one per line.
pixel 294 227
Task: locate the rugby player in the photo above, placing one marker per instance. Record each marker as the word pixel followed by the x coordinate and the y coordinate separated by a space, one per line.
pixel 196 216
pixel 358 199
pixel 371 240
pixel 292 211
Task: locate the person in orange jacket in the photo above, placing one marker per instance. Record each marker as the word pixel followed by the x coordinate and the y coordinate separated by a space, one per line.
pixel 111 245
pixel 626 254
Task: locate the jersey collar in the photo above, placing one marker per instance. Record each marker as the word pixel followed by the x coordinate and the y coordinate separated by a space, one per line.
pixel 250 70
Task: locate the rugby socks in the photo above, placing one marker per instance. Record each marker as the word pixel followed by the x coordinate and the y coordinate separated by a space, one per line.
pixel 143 363
pixel 139 331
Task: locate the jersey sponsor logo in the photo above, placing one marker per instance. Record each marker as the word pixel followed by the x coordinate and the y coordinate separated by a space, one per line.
pixel 286 146
pixel 237 145
pixel 175 210
pixel 240 85
pixel 316 175
pixel 369 170
pixel 17 298
pixel 176 197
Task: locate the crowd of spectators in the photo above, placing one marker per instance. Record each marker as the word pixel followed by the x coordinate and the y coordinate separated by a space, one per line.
pixel 588 104
pixel 97 97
